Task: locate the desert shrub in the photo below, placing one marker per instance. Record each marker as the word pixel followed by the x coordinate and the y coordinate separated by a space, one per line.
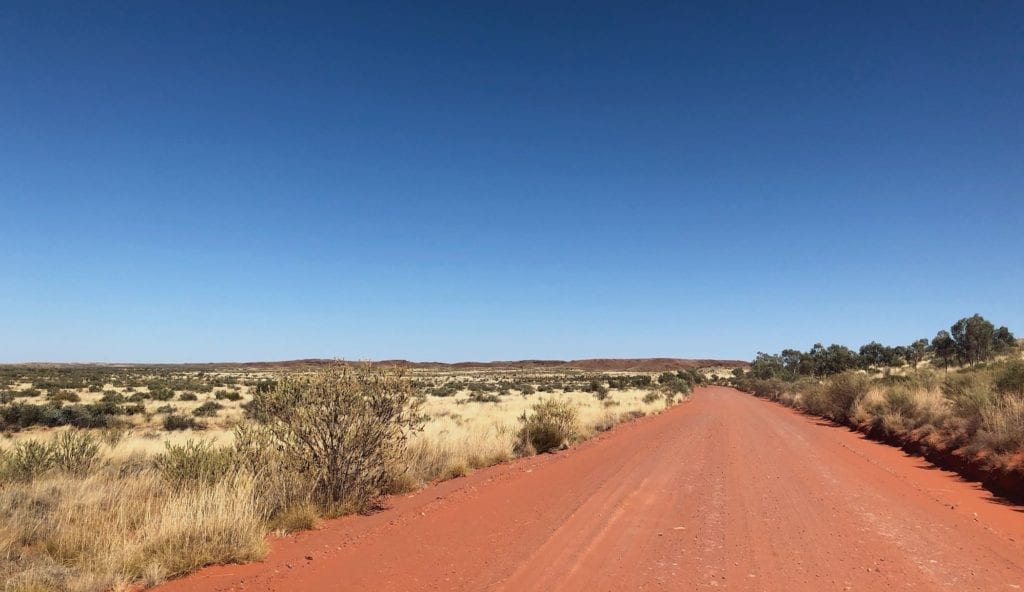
pixel 1010 379
pixel 525 389
pixel 173 422
pixel 651 397
pixel 341 426
pixel 112 397
pixel 222 395
pixel 207 409
pixel 265 386
pixel 75 451
pixel 284 486
pixel 445 390
pixel 551 425
pixel 137 397
pixel 969 394
pixel 187 396
pixel 598 388
pixel 771 388
pixel 841 392
pixel 194 462
pixel 161 393
pixel 900 399
pixel 56 396
pixel 27 459
pixel 641 381
pixel 1002 425
pixel 483 397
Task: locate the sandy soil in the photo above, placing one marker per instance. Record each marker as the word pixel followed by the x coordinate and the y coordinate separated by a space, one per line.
pixel 726 491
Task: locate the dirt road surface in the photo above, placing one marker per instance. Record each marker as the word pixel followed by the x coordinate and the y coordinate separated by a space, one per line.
pixel 723 492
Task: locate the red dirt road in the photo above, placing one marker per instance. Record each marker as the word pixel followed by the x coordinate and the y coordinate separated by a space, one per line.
pixel 726 491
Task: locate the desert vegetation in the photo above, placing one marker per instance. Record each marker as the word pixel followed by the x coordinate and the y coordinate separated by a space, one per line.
pixel 182 467
pixel 962 392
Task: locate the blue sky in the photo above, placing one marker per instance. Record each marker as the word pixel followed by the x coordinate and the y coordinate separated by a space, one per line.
pixel 253 181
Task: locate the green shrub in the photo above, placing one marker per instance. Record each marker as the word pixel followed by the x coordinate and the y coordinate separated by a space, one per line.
pixel 221 395
pixel 28 459
pixel 482 397
pixel 900 399
pixel 551 425
pixel 161 393
pixel 63 396
pixel 1010 380
pixel 652 396
pixel 1002 425
pixel 112 397
pixel 195 462
pixel 173 422
pixel 187 396
pixel 841 392
pixel 207 409
pixel 75 451
pixel 341 428
pixel 969 395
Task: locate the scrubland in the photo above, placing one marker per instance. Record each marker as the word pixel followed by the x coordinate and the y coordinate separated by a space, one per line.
pixel 113 478
pixel 976 411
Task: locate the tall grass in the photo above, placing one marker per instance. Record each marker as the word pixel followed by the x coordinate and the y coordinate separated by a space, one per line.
pixel 105 530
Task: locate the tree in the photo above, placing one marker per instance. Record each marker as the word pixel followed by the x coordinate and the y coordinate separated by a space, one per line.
pixel 944 348
pixel 1004 340
pixel 916 351
pixel 765 366
pixel 974 337
pixel 873 354
pixel 791 361
pixel 836 359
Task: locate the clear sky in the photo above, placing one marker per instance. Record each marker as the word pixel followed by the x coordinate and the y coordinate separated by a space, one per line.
pixel 209 181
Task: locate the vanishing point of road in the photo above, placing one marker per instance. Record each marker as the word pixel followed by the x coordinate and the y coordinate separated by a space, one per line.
pixel 725 491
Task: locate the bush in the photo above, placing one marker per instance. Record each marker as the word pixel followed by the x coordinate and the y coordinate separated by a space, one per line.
pixel 1002 425
pixel 75 452
pixel 61 396
pixel 341 427
pixel 27 459
pixel 195 462
pixel 112 397
pixel 900 399
pixel 1010 380
pixel 484 397
pixel 161 393
pixel 186 396
pixel 173 422
pixel 227 395
pixel 969 394
pixel 207 409
pixel 841 392
pixel 652 396
pixel 551 425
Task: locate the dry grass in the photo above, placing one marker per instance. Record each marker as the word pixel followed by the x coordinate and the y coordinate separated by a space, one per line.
pixel 105 531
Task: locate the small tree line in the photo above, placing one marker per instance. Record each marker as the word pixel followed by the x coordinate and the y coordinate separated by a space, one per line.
pixel 969 341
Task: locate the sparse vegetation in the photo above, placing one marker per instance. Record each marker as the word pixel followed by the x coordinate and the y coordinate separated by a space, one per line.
pixel 158 444
pixel 976 406
pixel 550 425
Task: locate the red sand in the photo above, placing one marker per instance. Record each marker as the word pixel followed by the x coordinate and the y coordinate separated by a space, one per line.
pixel 725 491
